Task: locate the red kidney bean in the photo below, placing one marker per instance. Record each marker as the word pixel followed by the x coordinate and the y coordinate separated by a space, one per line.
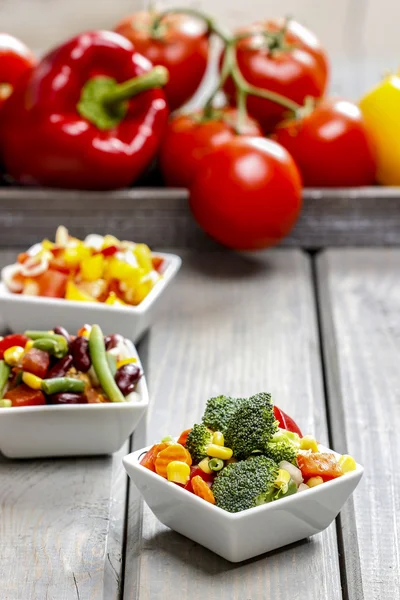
pixel 63 332
pixel 68 398
pixel 127 377
pixel 112 341
pixel 79 349
pixel 61 367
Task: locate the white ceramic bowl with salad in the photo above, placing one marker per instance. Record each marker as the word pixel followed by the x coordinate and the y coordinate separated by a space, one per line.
pixel 124 298
pixel 48 423
pixel 244 481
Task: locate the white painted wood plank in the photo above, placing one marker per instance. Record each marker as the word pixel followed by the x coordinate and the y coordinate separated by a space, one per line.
pixel 360 299
pixel 232 324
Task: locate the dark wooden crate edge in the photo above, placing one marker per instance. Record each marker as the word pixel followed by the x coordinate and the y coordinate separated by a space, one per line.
pixel 161 217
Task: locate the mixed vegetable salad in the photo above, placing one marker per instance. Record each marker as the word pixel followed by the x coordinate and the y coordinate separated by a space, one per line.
pixel 54 367
pixel 97 269
pixel 244 453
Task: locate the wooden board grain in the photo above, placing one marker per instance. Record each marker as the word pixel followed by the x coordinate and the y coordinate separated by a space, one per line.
pixel 61 526
pixel 359 300
pixel 161 217
pixel 236 325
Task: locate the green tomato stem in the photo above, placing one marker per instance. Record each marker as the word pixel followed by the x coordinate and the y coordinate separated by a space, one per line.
pixel 211 25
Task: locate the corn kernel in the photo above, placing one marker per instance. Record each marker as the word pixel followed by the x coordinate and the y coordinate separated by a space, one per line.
pixel 219 452
pixel 32 381
pixel 218 438
pixel 5 403
pixel 314 481
pixel 125 361
pixel 178 472
pixel 13 355
pixel 347 463
pixel 308 442
pixel 203 464
pixel 84 331
pixel 28 345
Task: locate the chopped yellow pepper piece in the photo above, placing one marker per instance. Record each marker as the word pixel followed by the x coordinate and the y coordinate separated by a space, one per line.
pixel 347 463
pixel 73 292
pixel 203 464
pixel 92 267
pixel 314 481
pixel 308 442
pixel 125 361
pixel 73 256
pixel 113 299
pixel 118 269
pixel 143 255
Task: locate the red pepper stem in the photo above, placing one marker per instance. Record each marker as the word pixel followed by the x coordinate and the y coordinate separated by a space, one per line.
pixel 212 26
pixel 155 78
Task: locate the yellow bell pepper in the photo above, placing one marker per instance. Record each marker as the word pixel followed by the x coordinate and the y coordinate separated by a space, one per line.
pixel 113 299
pixel 92 267
pixel 118 269
pixel 73 292
pixel 380 108
pixel 74 255
pixel 143 256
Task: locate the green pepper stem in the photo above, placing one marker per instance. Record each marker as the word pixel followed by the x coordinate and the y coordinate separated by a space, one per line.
pixel 155 78
pixel 210 23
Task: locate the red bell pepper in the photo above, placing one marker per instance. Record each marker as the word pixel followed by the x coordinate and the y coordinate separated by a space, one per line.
pixel 90 116
pixel 16 60
pixel 14 339
pixel 286 422
pixel 22 395
pixel 36 361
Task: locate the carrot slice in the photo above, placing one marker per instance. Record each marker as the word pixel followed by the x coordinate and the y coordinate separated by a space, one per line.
pixel 183 437
pixel 167 455
pixel 201 489
pixel 151 455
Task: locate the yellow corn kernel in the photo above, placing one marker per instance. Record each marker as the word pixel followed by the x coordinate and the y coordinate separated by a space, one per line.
pixel 73 292
pixel 283 477
pixel 314 481
pixel 13 355
pixel 32 381
pixel 347 463
pixel 308 442
pixel 28 345
pixel 125 361
pixel 92 267
pixel 203 464
pixel 218 438
pixel 143 256
pixel 219 452
pixel 178 472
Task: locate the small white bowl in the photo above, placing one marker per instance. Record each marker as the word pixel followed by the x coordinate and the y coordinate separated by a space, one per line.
pixel 74 429
pixel 21 312
pixel 240 536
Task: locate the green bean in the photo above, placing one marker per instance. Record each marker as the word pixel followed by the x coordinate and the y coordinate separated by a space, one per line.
pixel 112 362
pixel 5 403
pixel 101 367
pixel 5 370
pixel 46 335
pixel 216 464
pixel 59 385
pixel 51 346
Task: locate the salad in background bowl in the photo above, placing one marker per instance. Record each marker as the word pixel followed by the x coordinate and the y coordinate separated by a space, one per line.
pixel 101 279
pixel 64 395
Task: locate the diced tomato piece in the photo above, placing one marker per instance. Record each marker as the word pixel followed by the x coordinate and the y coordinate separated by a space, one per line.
pixel 59 265
pixel 22 395
pixel 36 361
pixel 22 257
pixel 149 458
pixel 109 251
pixel 197 472
pixel 323 464
pixel 52 283
pixel 157 263
pixel 286 422
pixel 183 437
pixel 57 250
pixel 15 339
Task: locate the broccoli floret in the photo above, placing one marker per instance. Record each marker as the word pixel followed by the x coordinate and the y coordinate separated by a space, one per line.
pixel 279 451
pixel 219 411
pixel 252 426
pixel 240 485
pixel 197 441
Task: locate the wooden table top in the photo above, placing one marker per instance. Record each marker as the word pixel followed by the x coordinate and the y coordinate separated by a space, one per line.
pixel 322 334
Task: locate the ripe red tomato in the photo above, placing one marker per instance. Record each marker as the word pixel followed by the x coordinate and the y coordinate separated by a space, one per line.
pixel 188 138
pixel 16 60
pixel 180 44
pixel 295 68
pixel 22 395
pixel 324 142
pixel 247 193
pixel 52 283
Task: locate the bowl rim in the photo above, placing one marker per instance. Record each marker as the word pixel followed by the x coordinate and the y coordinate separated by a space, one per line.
pixel 172 267
pixel 132 460
pixel 48 408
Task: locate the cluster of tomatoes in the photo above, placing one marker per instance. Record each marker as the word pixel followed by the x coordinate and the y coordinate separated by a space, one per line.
pixel 245 164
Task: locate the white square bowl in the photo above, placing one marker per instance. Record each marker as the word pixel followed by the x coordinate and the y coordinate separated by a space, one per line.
pixel 240 536
pixel 19 312
pixel 74 429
